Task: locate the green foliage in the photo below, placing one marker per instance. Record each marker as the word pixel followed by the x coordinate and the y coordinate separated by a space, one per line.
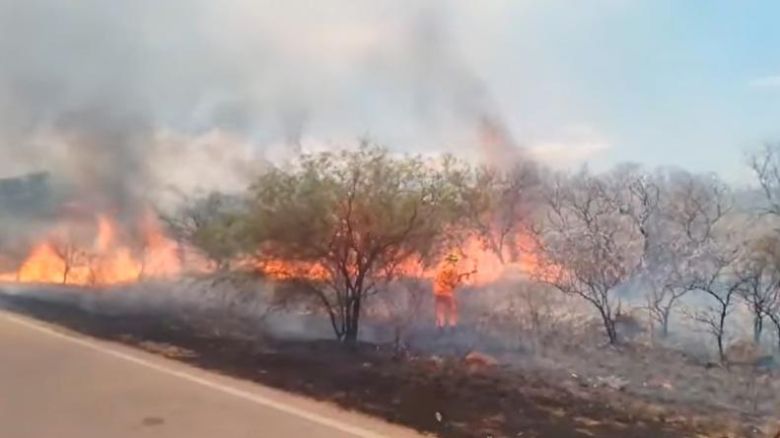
pixel 218 241
pixel 359 214
pixel 213 225
pixel 379 207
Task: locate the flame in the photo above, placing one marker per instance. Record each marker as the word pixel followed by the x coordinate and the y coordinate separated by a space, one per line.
pixel 110 260
pixel 487 267
pixel 484 265
pixel 107 261
pixel 105 233
pixel 161 254
pixel 43 265
pixel 287 270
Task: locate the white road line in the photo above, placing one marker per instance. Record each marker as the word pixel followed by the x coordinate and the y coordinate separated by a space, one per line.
pixel 254 398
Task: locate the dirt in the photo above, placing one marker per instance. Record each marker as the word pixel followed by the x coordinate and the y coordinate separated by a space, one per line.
pixel 441 396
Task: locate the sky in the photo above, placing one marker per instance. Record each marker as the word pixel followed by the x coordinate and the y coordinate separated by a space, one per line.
pixel 207 85
pixel 693 84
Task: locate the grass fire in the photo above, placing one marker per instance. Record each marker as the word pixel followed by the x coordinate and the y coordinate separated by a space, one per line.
pixel 469 219
pixel 438 258
pixel 94 254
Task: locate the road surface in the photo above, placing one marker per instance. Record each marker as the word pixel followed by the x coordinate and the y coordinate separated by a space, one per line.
pixel 57 384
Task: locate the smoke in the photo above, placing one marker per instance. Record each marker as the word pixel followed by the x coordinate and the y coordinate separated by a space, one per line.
pixel 446 82
pixel 93 92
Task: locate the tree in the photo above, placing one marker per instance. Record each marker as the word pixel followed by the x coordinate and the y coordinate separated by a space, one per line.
pixel 209 223
pixel 690 207
pixel 496 204
pixel 700 252
pixel 593 240
pixel 70 254
pixel 67 242
pixel 760 286
pixel 664 296
pixel 346 223
pixel 774 315
pixel 765 164
pixel 721 284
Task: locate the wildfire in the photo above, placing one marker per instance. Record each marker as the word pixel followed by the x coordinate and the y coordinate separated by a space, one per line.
pixel 489 268
pixel 106 258
pixel 61 258
pixel 485 264
pixel 287 270
pixel 43 264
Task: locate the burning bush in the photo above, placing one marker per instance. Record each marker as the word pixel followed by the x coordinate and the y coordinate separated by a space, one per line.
pixel 98 251
pixel 341 226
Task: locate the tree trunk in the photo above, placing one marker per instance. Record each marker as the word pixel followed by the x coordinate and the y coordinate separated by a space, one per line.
pixel 720 333
pixel 758 328
pixel 665 323
pixel 336 321
pixel 776 322
pixel 612 332
pixel 721 353
pixel 609 325
pixel 65 274
pixel 500 254
pixel 351 336
pixel 777 327
pixel 353 320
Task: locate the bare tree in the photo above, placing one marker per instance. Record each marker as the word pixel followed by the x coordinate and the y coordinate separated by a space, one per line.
pixel 760 285
pixel 497 204
pixel 765 164
pixel 661 301
pixel 700 252
pixel 722 286
pixel 760 273
pixel 66 245
pixel 774 316
pixel 70 255
pixel 593 240
pixel 690 208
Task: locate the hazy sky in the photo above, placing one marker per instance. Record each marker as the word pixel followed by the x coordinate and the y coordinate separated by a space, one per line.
pixel 662 82
pixel 688 83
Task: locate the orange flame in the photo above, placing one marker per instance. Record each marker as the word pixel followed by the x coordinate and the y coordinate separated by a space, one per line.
pixel 288 270
pixel 107 262
pixel 43 265
pixel 486 267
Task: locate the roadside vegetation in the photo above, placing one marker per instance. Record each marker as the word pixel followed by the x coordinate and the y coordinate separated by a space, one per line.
pixel 650 295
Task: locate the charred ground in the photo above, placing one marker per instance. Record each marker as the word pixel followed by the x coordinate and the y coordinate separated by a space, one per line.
pixel 472 400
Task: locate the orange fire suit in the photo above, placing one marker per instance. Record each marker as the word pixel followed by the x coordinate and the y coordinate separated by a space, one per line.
pixel 447 279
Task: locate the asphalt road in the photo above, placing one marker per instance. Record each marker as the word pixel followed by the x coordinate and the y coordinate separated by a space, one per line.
pixel 56 384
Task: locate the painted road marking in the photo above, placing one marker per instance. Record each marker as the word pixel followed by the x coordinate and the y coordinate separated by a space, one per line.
pixel 246 395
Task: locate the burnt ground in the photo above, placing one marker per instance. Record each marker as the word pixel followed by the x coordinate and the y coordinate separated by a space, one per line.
pixel 473 401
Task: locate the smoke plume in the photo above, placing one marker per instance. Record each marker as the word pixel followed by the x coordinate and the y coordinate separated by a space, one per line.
pixel 94 92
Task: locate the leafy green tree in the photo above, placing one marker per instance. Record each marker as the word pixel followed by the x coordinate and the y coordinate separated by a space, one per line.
pixel 212 225
pixel 358 216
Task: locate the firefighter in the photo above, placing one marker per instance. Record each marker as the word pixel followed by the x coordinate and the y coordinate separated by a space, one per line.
pixel 447 279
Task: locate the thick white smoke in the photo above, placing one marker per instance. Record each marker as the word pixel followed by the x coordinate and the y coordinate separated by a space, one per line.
pixel 121 99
